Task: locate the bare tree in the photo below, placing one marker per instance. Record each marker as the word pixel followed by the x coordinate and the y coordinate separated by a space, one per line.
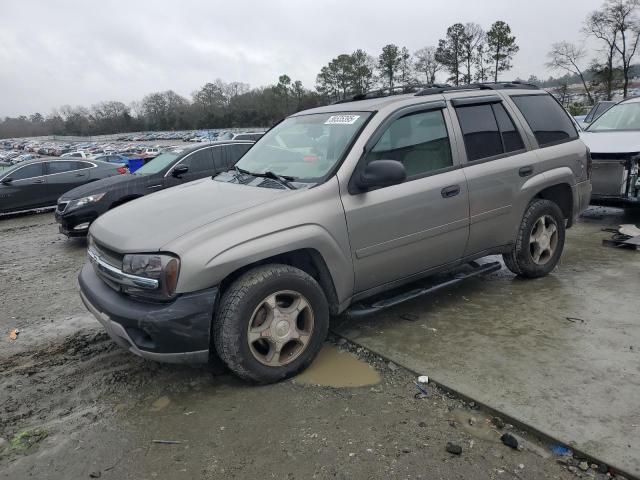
pixel 601 26
pixel 623 15
pixel 473 37
pixel 568 56
pixel 426 63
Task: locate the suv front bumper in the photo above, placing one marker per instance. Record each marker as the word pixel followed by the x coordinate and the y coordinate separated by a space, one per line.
pixel 176 332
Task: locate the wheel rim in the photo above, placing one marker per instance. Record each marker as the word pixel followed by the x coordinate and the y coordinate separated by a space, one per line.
pixel 543 240
pixel 280 328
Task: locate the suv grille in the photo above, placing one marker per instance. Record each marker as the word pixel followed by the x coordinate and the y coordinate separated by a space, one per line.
pixel 112 258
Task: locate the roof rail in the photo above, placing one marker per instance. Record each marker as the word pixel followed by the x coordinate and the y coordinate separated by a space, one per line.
pixel 383 92
pixel 435 88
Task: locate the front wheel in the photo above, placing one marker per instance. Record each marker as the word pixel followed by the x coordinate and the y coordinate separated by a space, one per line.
pixel 271 323
pixel 539 242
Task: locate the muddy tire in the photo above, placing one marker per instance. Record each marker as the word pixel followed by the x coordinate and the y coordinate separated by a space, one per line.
pixel 539 242
pixel 271 323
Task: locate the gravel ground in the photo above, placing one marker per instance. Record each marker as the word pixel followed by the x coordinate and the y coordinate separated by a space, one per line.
pixel 73 405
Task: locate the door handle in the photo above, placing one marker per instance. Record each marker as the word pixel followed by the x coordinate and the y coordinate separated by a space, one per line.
pixel 450 191
pixel 526 171
pixel 79 174
pixel 38 181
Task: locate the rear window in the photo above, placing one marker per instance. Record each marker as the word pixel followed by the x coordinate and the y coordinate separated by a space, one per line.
pixel 488 131
pixel 548 120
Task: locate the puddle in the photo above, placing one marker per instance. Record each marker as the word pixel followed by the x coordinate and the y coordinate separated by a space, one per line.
pixel 481 428
pixel 160 403
pixel 335 368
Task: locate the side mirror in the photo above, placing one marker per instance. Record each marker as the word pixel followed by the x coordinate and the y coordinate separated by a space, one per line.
pixel 179 170
pixel 381 173
pixel 7 180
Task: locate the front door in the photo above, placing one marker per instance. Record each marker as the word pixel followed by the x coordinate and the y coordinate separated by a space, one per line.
pixel 25 188
pixel 410 228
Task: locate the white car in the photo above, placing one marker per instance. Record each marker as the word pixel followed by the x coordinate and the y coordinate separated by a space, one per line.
pixel 78 154
pixel 614 141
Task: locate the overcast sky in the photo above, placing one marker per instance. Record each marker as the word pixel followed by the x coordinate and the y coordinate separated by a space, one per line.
pixel 55 52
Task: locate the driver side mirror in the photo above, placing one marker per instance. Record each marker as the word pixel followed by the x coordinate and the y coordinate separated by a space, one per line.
pixel 179 171
pixel 381 173
pixel 7 180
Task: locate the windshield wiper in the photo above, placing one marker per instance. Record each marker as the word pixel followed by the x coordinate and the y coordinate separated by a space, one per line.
pixel 283 179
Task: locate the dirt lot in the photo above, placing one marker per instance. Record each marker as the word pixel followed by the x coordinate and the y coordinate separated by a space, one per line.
pixel 73 405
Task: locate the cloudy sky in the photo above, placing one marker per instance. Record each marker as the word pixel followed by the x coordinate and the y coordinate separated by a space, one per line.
pixel 56 52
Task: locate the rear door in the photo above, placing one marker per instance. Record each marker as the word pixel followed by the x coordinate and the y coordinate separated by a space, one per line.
pixel 497 164
pixel 226 156
pixel 403 230
pixel 27 188
pixel 65 175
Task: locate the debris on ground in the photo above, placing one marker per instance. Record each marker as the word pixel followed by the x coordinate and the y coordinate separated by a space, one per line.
pixel 423 391
pixel 498 422
pixel 97 474
pixel 561 450
pixel 410 317
pixel 27 439
pixel 13 334
pixel 423 379
pixel 167 442
pixel 453 448
pixel 626 236
pixel 510 441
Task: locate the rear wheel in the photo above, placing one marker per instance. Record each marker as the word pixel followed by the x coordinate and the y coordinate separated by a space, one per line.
pixel 271 323
pixel 540 240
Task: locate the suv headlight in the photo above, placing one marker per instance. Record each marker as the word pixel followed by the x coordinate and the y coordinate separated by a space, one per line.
pixel 162 267
pixel 81 202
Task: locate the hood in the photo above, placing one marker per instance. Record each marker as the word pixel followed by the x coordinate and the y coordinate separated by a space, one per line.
pixel 612 142
pixel 99 186
pixel 150 222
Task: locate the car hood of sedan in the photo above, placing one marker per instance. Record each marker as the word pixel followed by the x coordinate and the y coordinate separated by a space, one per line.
pixel 612 142
pixel 151 222
pixel 99 186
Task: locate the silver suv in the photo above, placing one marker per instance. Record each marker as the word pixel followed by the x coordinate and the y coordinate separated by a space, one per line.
pixel 332 207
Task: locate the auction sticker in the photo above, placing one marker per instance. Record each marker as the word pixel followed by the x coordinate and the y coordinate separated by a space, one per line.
pixel 342 119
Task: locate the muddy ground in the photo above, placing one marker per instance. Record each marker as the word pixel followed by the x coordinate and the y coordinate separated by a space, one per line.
pixel 74 406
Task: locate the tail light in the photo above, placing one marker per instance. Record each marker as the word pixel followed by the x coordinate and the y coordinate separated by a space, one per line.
pixel 122 170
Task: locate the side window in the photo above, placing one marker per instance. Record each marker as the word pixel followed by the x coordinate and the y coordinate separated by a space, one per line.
pixel 418 140
pixel 61 166
pixel 480 131
pixel 80 165
pixel 219 158
pixel 548 120
pixel 28 171
pixel 511 139
pixel 236 152
pixel 200 161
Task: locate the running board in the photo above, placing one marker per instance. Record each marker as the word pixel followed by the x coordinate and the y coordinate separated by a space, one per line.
pixel 362 310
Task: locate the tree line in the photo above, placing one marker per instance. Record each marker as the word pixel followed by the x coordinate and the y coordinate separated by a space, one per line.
pixel 615 26
pixel 466 54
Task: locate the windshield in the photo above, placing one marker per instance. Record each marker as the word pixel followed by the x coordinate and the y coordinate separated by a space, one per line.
pixel 306 148
pixel 158 164
pixel 624 116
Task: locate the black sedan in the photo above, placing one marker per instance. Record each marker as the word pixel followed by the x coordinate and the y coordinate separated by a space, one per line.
pixel 81 206
pixel 37 184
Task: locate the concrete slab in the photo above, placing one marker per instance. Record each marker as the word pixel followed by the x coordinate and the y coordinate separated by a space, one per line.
pixel 561 353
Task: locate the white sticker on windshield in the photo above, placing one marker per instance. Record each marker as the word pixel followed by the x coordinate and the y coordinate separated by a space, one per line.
pixel 342 119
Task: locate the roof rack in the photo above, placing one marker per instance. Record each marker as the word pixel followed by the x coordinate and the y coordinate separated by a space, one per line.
pixel 435 88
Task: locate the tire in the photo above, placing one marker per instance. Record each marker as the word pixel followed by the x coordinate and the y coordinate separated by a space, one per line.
pixel 529 258
pixel 259 313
